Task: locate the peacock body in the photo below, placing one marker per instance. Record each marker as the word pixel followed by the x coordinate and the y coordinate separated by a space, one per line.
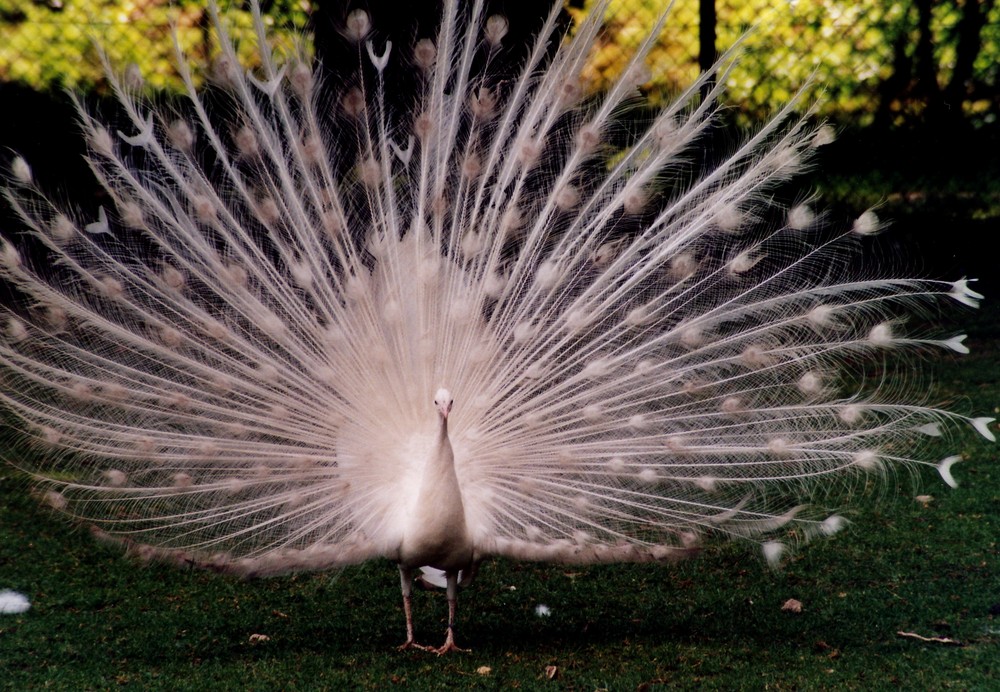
pixel 337 327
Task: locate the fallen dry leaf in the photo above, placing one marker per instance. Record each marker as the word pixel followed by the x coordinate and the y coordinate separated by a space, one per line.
pixel 551 672
pixel 792 606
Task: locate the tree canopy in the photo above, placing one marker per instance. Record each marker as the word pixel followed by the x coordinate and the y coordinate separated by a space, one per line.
pixel 871 60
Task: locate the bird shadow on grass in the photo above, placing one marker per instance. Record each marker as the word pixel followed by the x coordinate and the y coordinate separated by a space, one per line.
pixel 582 608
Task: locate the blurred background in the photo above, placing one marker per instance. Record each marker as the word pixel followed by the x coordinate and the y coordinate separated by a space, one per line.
pixel 911 87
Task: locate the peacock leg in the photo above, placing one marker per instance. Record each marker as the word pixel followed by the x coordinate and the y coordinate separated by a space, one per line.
pixel 406 585
pixel 449 641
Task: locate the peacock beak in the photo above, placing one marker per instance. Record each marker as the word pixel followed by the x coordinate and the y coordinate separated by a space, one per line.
pixel 444 402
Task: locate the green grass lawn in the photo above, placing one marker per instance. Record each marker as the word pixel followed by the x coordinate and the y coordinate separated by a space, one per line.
pixel 99 620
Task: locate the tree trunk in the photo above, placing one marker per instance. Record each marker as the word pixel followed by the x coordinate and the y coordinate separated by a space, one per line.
pixel 969 43
pixel 926 86
pixel 707 54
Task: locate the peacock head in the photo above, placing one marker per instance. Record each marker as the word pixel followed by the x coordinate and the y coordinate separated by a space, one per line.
pixel 443 402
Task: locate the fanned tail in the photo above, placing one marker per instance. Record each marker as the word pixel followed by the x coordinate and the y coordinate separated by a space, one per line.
pixel 226 363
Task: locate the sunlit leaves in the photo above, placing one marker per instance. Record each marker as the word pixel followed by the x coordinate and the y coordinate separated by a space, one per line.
pixel 52 44
pixel 846 48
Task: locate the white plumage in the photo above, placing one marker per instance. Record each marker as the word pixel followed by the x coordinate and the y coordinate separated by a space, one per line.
pixel 505 319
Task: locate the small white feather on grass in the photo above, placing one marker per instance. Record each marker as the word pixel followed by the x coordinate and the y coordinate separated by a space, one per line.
pixel 12 602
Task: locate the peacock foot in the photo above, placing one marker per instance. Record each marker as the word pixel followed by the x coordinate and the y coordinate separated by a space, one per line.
pixel 449 645
pixel 410 644
pixel 446 647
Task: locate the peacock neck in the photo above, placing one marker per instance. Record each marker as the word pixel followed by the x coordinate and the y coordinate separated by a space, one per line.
pixel 436 534
pixel 439 478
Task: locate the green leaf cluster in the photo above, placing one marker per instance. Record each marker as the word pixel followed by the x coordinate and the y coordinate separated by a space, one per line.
pixel 838 52
pixel 55 43
pixel 841 53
